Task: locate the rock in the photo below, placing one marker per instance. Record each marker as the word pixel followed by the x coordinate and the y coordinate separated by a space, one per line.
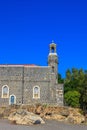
pixel 74 111
pixel 56 117
pixel 22 112
pixel 65 113
pixel 86 118
pixel 1 113
pixel 75 119
pixel 25 114
pixel 38 110
pixel 75 116
pixel 7 112
pixel 37 122
pixel 25 118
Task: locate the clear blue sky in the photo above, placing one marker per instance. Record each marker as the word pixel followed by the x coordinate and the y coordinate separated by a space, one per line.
pixel 28 26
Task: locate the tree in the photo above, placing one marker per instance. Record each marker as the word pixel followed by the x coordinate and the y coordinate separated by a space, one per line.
pixel 84 95
pixel 76 80
pixel 72 98
pixel 81 79
pixel 60 79
pixel 67 81
pixel 68 76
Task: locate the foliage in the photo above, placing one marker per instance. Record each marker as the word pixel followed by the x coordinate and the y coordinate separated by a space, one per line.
pixel 60 79
pixel 76 81
pixel 72 98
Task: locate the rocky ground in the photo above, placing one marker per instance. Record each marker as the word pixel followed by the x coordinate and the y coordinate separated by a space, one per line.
pixel 23 117
pixel 37 114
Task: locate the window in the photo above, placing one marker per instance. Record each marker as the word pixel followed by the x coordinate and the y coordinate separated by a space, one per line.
pixel 5 91
pixel 36 92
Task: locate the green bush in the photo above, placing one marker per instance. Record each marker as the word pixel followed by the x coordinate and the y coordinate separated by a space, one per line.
pixel 72 98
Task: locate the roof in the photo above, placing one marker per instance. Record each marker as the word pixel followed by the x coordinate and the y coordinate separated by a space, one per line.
pixel 31 65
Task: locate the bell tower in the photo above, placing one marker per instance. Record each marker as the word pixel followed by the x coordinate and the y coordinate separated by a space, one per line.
pixel 53 58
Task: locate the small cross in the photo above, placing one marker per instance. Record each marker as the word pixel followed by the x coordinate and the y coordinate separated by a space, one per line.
pixel 52 41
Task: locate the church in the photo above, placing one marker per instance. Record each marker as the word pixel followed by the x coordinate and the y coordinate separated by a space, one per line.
pixel 31 84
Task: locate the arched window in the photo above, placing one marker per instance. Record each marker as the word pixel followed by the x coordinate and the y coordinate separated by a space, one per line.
pixel 12 99
pixel 36 92
pixel 5 91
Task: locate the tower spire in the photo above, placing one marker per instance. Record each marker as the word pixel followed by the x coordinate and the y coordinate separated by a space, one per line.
pixel 52 41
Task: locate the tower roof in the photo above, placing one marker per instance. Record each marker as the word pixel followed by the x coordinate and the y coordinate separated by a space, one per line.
pixel 53 43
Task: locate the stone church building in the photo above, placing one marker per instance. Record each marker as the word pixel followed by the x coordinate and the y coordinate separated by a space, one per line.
pixel 31 84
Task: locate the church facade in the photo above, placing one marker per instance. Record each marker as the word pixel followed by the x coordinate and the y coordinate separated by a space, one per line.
pixel 31 84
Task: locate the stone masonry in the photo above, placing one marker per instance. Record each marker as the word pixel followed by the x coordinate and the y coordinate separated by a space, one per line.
pixel 17 83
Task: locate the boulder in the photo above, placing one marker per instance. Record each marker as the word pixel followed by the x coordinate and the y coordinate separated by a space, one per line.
pixel 86 118
pixel 70 115
pixel 56 117
pixel 75 116
pixel 65 112
pixel 24 117
pixel 78 119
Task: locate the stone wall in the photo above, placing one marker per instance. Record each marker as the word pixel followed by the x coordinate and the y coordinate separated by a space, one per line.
pixel 21 80
pixel 12 77
pixel 38 76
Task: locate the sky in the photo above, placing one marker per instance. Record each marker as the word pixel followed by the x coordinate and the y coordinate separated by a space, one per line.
pixel 27 27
